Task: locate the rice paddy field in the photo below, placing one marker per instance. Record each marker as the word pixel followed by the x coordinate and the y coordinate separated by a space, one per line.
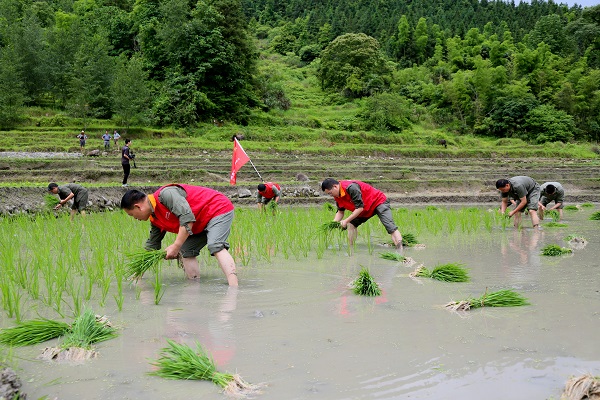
pixel 295 325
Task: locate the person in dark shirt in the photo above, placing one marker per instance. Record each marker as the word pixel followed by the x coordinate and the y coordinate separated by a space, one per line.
pixel 125 158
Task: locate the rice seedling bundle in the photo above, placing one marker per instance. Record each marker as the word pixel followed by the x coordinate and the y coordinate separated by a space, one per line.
pixel 587 205
pixel 408 239
pixel 571 207
pixel 450 272
pixel 178 361
pixel 555 250
pixel 88 329
pixel 582 387
pixel 595 216
pixel 273 206
pixel 554 224
pixel 501 298
pixel 365 285
pixel 28 333
pixel 390 255
pixel 51 201
pixel 141 261
pixel 552 214
pixel 330 226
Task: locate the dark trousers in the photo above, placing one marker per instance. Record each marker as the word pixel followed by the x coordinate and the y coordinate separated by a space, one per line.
pixel 126 170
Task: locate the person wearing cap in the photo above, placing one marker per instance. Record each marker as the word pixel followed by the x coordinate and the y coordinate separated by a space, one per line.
pixel 363 201
pixel 82 138
pixel 200 217
pixel 525 192
pixel 551 192
pixel 266 192
pixel 70 191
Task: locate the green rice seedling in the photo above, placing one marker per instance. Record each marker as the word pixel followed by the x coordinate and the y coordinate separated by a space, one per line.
pixel 141 261
pixel 571 207
pixel 595 216
pixel 554 224
pixel 159 289
pixel 552 214
pixel 365 285
pixel 329 207
pixel 431 208
pixel 390 255
pixel 451 272
pixel 555 250
pixel 34 331
pixel 88 329
pixel 408 239
pixel 501 298
pixel 51 201
pixel 330 226
pixel 587 205
pixel 272 207
pixel 178 361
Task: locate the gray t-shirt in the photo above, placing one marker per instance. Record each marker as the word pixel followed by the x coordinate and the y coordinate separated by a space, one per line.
pixel 175 199
pixel 355 194
pixel 559 194
pixel 520 186
pixel 65 190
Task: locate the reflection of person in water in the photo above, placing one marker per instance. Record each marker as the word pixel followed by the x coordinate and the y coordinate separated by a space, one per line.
pixel 521 255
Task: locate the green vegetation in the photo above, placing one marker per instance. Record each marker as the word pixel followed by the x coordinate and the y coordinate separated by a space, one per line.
pixel 390 255
pixel 87 330
pixel 501 298
pixel 555 250
pixel 141 261
pixel 571 207
pixel 409 240
pixel 31 332
pixel 330 226
pixel 552 214
pixel 451 272
pixel 178 361
pixel 365 285
pixel 553 224
pixel 595 216
pixel 588 205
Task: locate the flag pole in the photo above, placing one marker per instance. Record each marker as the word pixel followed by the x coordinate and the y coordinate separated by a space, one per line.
pixel 261 178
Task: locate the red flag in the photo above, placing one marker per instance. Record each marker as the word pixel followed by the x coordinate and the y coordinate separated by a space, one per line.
pixel 239 159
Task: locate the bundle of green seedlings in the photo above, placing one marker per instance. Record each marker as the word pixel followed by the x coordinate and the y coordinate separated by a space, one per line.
pixel 365 285
pixel 554 224
pixel 141 261
pixel 501 298
pixel 555 250
pixel 450 272
pixel 330 226
pixel 552 214
pixel 582 387
pixel 595 216
pixel 329 207
pixel 51 201
pixel 571 207
pixel 408 240
pixel 272 206
pixel 178 361
pixel 390 255
pixel 76 344
pixel 28 333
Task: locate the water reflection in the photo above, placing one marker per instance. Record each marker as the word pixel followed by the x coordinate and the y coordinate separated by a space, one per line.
pixel 521 254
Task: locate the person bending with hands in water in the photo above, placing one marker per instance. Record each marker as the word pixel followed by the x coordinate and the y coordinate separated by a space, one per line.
pixel 78 193
pixel 199 216
pixel 363 201
pixel 525 192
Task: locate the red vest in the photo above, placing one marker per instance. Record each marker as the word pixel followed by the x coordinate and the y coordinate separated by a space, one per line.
pixel 205 204
pixel 371 198
pixel 268 192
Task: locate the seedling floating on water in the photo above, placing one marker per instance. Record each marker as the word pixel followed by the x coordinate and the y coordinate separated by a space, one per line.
pixel 595 216
pixel 365 285
pixel 555 250
pixel 28 333
pixel 501 298
pixel 141 261
pixel 178 361
pixel 571 207
pixel 390 255
pixel 554 224
pixel 447 273
pixel 552 214
pixel 587 205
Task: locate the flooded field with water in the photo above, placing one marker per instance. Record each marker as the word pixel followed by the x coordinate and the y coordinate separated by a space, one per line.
pixel 295 325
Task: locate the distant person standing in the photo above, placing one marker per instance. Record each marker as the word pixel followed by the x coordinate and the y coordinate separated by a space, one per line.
pixel 267 192
pixel 551 192
pixel 82 138
pixel 78 193
pixel 525 192
pixel 116 138
pixel 106 137
pixel 125 159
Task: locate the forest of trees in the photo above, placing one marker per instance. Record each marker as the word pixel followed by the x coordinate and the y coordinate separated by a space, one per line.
pixel 486 67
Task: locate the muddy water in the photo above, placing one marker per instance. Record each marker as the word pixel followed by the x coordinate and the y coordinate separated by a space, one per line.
pixel 295 326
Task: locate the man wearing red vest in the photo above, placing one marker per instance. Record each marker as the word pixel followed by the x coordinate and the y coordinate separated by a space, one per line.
pixel 198 215
pixel 364 201
pixel 267 192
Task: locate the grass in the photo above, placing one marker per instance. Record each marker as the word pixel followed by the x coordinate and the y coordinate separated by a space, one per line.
pixel 31 332
pixel 365 285
pixel 555 250
pixel 451 272
pixel 178 361
pixel 501 298
pixel 141 261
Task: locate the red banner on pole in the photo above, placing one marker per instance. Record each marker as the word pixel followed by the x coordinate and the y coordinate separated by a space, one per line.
pixel 238 160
